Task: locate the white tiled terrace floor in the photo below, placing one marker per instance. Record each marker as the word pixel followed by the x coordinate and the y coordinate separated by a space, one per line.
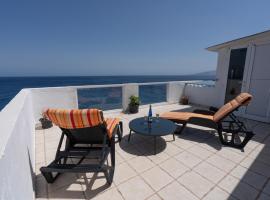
pixel 194 166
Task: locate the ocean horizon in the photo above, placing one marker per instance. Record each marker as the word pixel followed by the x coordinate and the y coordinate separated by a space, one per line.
pixel 10 86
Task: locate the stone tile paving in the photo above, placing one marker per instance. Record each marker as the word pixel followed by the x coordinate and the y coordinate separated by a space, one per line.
pixel 194 166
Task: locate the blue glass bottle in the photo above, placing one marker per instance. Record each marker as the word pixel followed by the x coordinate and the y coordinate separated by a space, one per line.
pixel 150 114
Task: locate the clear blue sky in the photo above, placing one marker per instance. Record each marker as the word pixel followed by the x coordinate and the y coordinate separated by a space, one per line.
pixel 121 37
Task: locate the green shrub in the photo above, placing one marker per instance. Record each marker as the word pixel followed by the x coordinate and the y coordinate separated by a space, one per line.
pixel 134 100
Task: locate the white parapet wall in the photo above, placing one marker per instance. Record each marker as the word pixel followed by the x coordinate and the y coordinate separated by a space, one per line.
pixel 66 97
pixel 17 148
pixel 53 97
pixel 175 90
pixel 202 95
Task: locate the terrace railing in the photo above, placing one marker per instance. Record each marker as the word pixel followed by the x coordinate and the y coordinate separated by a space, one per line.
pixel 116 96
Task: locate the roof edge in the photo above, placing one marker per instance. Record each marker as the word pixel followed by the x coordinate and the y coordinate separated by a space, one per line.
pixel 224 44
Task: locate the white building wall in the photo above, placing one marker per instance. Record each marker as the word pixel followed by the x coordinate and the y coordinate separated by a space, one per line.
pixel 256 76
pixel 258 83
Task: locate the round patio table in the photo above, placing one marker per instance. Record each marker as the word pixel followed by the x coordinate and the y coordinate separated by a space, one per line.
pixel 157 127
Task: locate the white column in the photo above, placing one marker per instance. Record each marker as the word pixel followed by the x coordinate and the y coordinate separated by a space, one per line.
pixel 60 97
pixel 175 91
pixel 127 91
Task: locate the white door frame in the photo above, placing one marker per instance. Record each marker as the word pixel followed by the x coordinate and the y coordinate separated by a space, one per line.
pixel 251 49
pixel 246 86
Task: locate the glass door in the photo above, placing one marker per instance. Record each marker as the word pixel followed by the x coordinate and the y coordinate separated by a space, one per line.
pixel 235 73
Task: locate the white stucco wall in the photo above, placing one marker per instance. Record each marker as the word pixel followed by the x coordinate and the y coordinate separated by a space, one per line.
pixel 202 95
pixel 55 97
pixel 17 148
pixel 175 91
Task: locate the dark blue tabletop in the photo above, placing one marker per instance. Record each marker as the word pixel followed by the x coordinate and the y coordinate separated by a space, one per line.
pixel 157 127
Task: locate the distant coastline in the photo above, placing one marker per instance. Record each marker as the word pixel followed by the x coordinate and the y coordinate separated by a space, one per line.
pixel 211 74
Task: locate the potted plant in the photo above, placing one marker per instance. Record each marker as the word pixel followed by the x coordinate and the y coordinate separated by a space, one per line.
pixel 184 100
pixel 134 104
pixel 45 122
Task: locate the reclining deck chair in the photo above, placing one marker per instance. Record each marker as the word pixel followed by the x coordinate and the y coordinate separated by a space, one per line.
pixel 88 138
pixel 216 119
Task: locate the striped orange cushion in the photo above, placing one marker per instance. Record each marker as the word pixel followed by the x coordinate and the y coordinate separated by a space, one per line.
pixel 75 118
pixel 111 124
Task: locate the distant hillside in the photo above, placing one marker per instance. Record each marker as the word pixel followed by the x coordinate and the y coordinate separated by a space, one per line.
pixel 207 73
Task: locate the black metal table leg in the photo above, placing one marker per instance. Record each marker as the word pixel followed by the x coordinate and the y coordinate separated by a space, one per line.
pixel 173 137
pixel 155 145
pixel 129 135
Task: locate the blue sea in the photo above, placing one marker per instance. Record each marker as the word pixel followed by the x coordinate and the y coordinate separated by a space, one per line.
pixel 10 86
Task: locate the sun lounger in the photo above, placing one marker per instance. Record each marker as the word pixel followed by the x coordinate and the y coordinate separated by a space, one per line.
pixel 230 129
pixel 90 139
